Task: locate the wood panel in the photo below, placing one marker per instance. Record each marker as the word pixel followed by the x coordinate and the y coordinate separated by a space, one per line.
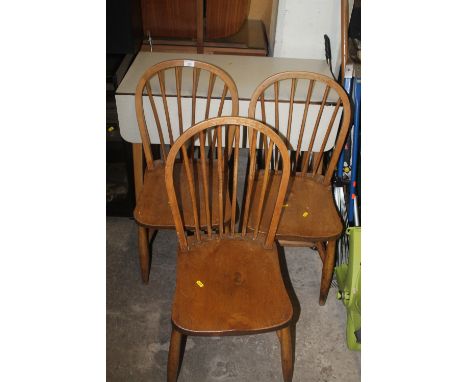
pixel 169 18
pixel 224 18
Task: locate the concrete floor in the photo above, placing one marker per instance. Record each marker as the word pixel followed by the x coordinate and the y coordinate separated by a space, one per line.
pixel 139 323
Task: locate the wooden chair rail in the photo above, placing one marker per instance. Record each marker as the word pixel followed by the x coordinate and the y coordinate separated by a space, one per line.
pixel 228 282
pixel 198 132
pixel 176 68
pixel 166 88
pixel 311 160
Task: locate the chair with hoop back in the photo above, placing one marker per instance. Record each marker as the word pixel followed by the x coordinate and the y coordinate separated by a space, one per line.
pixel 228 280
pixel 170 97
pixel 310 126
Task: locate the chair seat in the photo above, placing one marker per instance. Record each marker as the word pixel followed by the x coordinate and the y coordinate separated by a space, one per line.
pixel 152 207
pixel 240 289
pixel 309 212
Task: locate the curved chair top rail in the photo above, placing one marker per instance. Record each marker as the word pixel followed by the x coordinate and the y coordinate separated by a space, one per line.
pixel 164 118
pixel 256 128
pixel 323 127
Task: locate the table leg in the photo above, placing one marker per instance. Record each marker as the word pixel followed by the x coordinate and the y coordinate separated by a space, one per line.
pixel 138 167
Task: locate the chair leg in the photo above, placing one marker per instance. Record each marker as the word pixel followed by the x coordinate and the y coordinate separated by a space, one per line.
pixel 327 271
pixel 143 251
pixel 284 336
pixel 173 360
pixel 321 250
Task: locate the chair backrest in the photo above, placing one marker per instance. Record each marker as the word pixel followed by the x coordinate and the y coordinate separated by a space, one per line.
pixel 306 132
pixel 256 129
pixel 180 83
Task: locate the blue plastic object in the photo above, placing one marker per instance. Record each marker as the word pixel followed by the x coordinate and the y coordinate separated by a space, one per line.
pixel 347 86
pixel 355 149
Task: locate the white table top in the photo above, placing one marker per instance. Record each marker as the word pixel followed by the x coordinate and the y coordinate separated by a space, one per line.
pixel 247 71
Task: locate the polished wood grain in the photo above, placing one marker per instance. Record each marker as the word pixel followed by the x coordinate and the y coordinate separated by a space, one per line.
pixel 200 26
pixel 309 216
pixel 327 272
pixel 224 18
pixel 138 170
pixel 143 252
pixel 328 85
pixel 284 336
pixel 169 18
pixel 176 66
pixel 219 48
pixel 174 355
pixel 242 293
pixel 152 208
pixel 143 234
pixel 322 221
pixel 229 281
pixel 180 25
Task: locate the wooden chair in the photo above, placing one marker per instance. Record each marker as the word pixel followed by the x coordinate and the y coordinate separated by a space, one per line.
pixel 228 281
pixel 309 217
pixel 167 102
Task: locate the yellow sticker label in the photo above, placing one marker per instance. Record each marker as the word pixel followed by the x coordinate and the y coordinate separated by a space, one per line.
pixel 285 205
pixel 200 284
pixel 305 214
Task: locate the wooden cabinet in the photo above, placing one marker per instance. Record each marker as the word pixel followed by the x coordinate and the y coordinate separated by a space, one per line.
pixel 201 26
pixel 170 18
pixel 225 18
